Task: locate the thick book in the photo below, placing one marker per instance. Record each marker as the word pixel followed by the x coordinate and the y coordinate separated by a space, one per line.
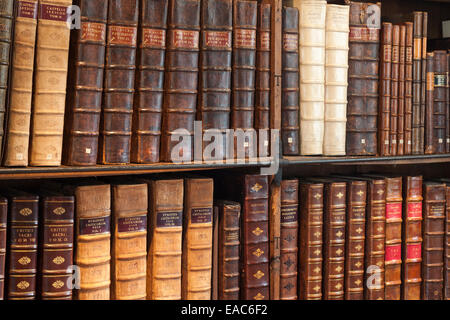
pixel 50 81
pixel 395 71
pixel 197 239
pixel 150 63
pixel 447 247
pixel 440 71
pixel 417 74
pixel 433 239
pixel 119 82
pixel 181 80
pixel 85 84
pixel 290 129
pixel 423 80
pixel 165 239
pixel 412 238
pixel 129 241
pixel 3 225
pixel 401 94
pixel 311 241
pixel 408 87
pixel 336 79
pixel 362 108
pixel 385 90
pixel 289 239
pixel 429 108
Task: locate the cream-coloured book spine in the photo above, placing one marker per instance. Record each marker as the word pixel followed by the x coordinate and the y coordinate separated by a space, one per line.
pixel 336 79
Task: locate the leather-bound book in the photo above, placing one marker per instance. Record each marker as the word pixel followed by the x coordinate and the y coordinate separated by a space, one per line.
pixel 423 80
pixel 214 106
pixel 262 87
pixel 412 238
pixel 447 247
pixel 148 101
pixel 447 120
pixel 50 81
pixel 336 79
pixel 395 64
pixel 197 239
pixel 215 255
pixel 84 97
pixel 408 87
pixel 385 90
pixel 429 110
pixel 119 81
pixel 362 108
pixel 229 213
pixel 311 241
pixel 21 84
pixel 181 79
pixel 165 239
pixel 290 129
pixel 417 74
pixel 433 240
pixel 129 242
pixel 245 19
pixel 289 239
pixel 440 71
pixel 3 224
pixel 401 94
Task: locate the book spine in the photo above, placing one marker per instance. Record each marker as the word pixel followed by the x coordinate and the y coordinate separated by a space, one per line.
pixel 21 84
pixel 119 82
pixel 355 242
pixel 393 139
pixel 50 81
pixel 290 129
pixel 57 247
pixel 417 74
pixel 129 243
pixel 215 255
pixel 412 239
pixel 84 101
pixel 385 89
pixel 148 101
pixel 401 94
pixel 423 84
pixel 429 128
pixel 408 87
pixel 440 71
pixel 447 247
pixel 289 240
pixel 3 227
pixel 447 114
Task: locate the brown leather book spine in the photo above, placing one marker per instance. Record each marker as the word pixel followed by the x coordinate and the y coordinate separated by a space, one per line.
pixel 375 240
pixel 417 74
pixel 289 239
pixel 228 251
pixel 447 114
pixel 447 248
pixel 395 70
pixel 84 97
pixel 401 94
pixel 290 129
pixel 408 87
pixel 119 82
pixel 433 241
pixel 440 70
pixel 311 241
pixel 214 106
pixel 181 79
pixel 429 123
pixel 412 238
pixel 355 242
pixel 56 254
pixel 129 243
pixel 385 89
pixel 148 101
pixel 215 255
pixel 363 89
pixel 3 225
pixel 255 239
pixel 423 78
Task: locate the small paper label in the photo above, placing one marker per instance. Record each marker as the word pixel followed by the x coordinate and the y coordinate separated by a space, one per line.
pixel 53 13
pixel 409 142
pixel 88 150
pixel 122 35
pixel 289 213
pixel 49 157
pixel 401 141
pixel 19 156
pixel 132 224
pixel 363 141
pixel 386 142
pixel 155 38
pixel 441 141
pixel 218 39
pixel 414 251
pixel 393 253
pixel 266 143
pixel 27 9
pixel 169 219
pixel 290 140
pixel 92 226
pixel 91 31
pixel 201 215
pixel 393 211
pixel 186 39
pixel 245 38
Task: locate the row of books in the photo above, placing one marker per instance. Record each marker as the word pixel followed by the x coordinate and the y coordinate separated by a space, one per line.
pixel 368 237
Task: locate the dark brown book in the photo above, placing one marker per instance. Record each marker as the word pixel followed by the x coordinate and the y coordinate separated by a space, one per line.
pixel 412 238
pixel 433 240
pixel 3 225
pixel 429 110
pixel 148 101
pixel 290 129
pixel 215 255
pixel 447 247
pixel 401 94
pixel 214 106
pixel 181 80
pixel 408 87
pixel 362 109
pixel 447 114
pixel 385 90
pixel 417 74
pixel 423 78
pixel 289 239
pixel 395 71
pixel 440 70
pixel 85 85
pixel 229 213
pixel 118 93
pixel 311 241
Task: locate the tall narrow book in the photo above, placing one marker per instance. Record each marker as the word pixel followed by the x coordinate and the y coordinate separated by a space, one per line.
pixel 429 109
pixel 408 86
pixel 447 146
pixel 447 247
pixel 401 94
pixel 395 71
pixel 417 74
pixel 440 71
pixel 3 225
pixel 385 90
pixel 423 79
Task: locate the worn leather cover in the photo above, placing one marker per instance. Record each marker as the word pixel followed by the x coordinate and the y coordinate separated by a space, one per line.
pixel 21 83
pixel 289 239
pixel 290 129
pixel 447 247
pixel 165 239
pixel 433 240
pixel 423 79
pixel 3 225
pixel 311 241
pixel 215 255
pixel 50 80
pixel 362 109
pixel 440 71
pixel 336 79
pixel 417 74
pixel 412 238
pixel 129 243
pixel 119 82
pixel 447 115
pixel 401 94
pixel 408 87
pixel 429 125
pixel 84 97
pixel 197 239
pixel 385 90
pixel 229 215
pixel 395 71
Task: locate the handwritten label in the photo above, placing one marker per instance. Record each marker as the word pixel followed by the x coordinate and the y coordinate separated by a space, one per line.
pixel 91 31
pixel 289 213
pixel 185 39
pixel 132 224
pixel 169 219
pixel 393 253
pixel 220 39
pixel 122 35
pixel 414 251
pixel 364 34
pixel 264 40
pixel 201 215
pixel 245 38
pixel 27 10
pixel 53 13
pixel 290 42
pixel 155 38
pixel 393 211
pixel 414 210
pixel 92 226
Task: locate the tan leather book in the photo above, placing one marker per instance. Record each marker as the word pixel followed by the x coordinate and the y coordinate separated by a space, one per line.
pixel 21 84
pixel 401 94
pixel 408 86
pixel 50 78
pixel 395 70
pixel 274 223
pixel 129 242
pixel 197 239
pixel 165 239
pixel 384 115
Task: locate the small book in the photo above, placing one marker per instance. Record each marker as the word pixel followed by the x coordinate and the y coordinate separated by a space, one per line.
pixel 385 90
pixel 3 225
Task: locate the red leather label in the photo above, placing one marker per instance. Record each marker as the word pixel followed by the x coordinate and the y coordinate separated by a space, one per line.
pixel 169 219
pixel 122 35
pixel 393 211
pixel 186 39
pixel 414 210
pixel 154 38
pixel 289 213
pixel 27 9
pixel 53 13
pixel 393 253
pixel 290 42
pixel 220 39
pixel 58 234
pixel 91 31
pixel 364 34
pixel 24 236
pixel 264 40
pixel 132 224
pixel 245 38
pixel 94 226
pixel 414 251
pixel 201 215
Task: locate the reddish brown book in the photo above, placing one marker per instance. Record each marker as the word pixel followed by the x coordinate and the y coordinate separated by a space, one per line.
pixel 440 71
pixel 447 115
pixel 3 224
pixel 385 90
pixel 417 74
pixel 401 94
pixel 408 87
pixel 447 247
pixel 429 128
pixel 395 70
pixel 423 84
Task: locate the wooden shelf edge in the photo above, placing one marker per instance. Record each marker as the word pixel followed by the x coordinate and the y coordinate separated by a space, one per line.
pixel 394 160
